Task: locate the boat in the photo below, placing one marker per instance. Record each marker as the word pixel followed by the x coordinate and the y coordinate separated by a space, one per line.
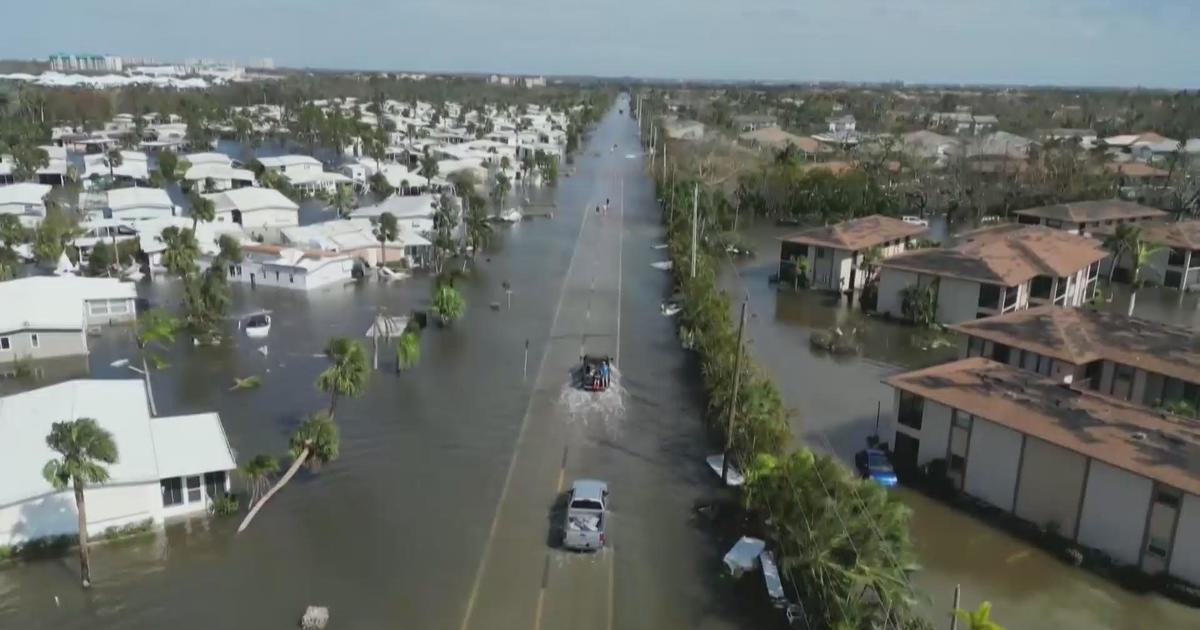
pixel 386 273
pixel 664 265
pixel 257 325
pixel 670 309
pixel 509 216
pixel 914 220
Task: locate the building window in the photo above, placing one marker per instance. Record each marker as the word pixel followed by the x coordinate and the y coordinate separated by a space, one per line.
pixel 276 276
pixel 1175 259
pixel 118 307
pixel 974 347
pixel 98 307
pixel 958 464
pixel 193 489
pixel 291 278
pixel 1000 353
pixel 1054 223
pixel 214 484
pixel 1010 297
pixel 5 343
pixel 1168 497
pixel 1158 547
pixel 822 252
pixel 1122 381
pixel 989 296
pixel 1041 287
pixel 1060 291
pixel 1092 374
pixel 1173 279
pixel 34 341
pixel 172 491
pixel 912 409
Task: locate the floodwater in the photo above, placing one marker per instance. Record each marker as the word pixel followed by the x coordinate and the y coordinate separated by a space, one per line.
pixel 394 533
pixel 836 401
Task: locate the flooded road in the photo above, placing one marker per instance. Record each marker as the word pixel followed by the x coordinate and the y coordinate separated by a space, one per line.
pixel 395 532
pixel 836 401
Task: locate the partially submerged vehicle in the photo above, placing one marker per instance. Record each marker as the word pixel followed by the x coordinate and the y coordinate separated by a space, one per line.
pixel 873 464
pixel 595 372
pixel 587 511
pixel 257 325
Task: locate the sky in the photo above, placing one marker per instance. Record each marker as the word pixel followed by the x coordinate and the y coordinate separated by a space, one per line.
pixel 1148 43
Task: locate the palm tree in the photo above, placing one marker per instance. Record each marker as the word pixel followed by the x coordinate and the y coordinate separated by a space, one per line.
pixel 408 350
pixel 979 619
pixel 155 328
pixel 85 448
pixel 348 373
pixel 1142 253
pixel 203 209
pixel 1123 240
pixel 448 303
pixel 258 472
pixel 429 168
pixel 479 228
pixel 501 189
pixel 168 165
pixel 386 231
pixel 114 159
pixel 343 200
pixel 314 444
pixel 869 263
pixel 182 251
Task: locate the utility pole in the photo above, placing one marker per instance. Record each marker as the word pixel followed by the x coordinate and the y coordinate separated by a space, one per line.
pixel 954 613
pixel 695 224
pixel 737 381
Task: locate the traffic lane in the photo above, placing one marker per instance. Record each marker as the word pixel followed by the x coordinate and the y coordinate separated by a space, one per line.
pixel 578 591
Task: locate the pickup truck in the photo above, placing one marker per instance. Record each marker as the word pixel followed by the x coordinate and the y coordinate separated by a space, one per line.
pixel 587 507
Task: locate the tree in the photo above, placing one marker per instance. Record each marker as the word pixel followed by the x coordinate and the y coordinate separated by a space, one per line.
pixel 101 260
pixel 1142 253
pixel 314 444
pixel 1122 241
pixel 27 160
pixel 429 168
pixel 84 449
pixel 979 619
pixel 11 231
pixel 408 349
pixel 501 189
pixel 168 165
pixel 114 159
pixel 380 186
pixel 448 303
pixel 479 228
pixel 182 251
pixel 871 257
pixel 343 200
pixel 155 328
pixel 347 374
pixel 203 209
pixel 258 473
pixel 386 231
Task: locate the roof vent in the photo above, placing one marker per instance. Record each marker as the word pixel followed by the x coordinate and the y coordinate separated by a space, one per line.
pixel 1138 436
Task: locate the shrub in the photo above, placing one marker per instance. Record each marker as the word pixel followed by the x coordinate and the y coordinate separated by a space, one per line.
pixel 226 505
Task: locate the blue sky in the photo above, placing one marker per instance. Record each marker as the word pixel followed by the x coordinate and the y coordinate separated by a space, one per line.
pixel 1075 42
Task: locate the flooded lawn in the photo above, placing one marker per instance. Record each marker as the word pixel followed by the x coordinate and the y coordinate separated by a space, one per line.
pixel 836 400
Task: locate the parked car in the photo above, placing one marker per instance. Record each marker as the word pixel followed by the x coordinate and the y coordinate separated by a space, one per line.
pixel 587 511
pixel 873 464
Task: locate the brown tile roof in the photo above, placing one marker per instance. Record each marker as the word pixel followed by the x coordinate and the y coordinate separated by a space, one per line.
pixel 1006 254
pixel 1081 336
pixel 777 138
pixel 1154 445
pixel 1100 210
pixel 857 234
pixel 1181 234
pixel 1135 169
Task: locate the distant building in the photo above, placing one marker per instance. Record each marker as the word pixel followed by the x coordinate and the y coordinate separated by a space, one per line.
pixel 677 129
pixel 750 122
pixel 63 62
pixel 964 122
pixel 531 82
pixel 1084 217
pixel 842 124
pixel 46 317
pixel 1175 255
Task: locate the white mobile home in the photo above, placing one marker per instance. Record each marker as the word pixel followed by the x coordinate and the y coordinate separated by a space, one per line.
pixel 26 200
pixel 167 466
pixel 139 204
pixel 261 211
pixel 289 268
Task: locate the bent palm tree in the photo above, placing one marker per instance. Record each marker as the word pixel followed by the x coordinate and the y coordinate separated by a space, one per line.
pixel 85 448
pixel 314 444
pixel 347 375
pixel 1122 241
pixel 203 208
pixel 1142 253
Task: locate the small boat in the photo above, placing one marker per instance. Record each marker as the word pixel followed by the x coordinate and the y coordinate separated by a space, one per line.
pixel 670 309
pixel 389 274
pixel 913 220
pixel 664 265
pixel 257 325
pixel 510 216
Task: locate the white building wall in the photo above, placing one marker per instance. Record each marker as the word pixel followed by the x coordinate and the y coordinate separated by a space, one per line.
pixel 892 283
pixel 55 514
pixel 1114 512
pixel 1185 553
pixel 934 434
pixel 958 300
pixel 992 462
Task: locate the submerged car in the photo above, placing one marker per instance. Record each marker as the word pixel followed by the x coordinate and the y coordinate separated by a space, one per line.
pixel 873 464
